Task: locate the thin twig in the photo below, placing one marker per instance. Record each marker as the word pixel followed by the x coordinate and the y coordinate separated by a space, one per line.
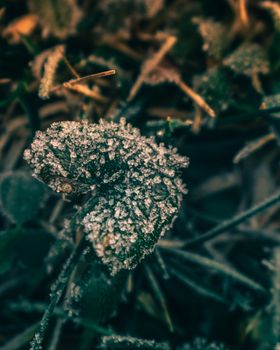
pixel 216 266
pixel 152 63
pixel 196 98
pixel 253 147
pixel 236 220
pixel 89 77
pixel 243 13
pixel 160 297
pixel 86 91
pixel 69 66
pixel 34 307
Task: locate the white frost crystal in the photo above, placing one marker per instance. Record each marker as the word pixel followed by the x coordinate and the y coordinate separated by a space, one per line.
pixel 136 182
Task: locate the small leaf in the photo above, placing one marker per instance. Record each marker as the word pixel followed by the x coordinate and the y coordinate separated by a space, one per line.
pixel 21 196
pixel 96 293
pixel 214 35
pixel 249 60
pixel 271 101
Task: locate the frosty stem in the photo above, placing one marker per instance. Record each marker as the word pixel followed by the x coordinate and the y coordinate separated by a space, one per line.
pixel 56 294
pixel 229 224
pixel 64 275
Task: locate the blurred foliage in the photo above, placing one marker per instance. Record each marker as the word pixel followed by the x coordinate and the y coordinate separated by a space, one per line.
pixel 202 76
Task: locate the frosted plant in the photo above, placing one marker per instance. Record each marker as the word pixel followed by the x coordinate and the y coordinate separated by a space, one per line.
pixel 214 36
pixel 135 182
pixel 120 342
pixel 50 68
pixel 271 101
pixel 250 60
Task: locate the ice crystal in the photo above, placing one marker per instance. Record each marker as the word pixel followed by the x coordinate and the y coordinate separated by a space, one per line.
pixel 136 183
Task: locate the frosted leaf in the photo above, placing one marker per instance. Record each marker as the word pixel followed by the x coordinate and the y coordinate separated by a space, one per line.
pixel 138 191
pixel 271 101
pixel 249 59
pixel 214 36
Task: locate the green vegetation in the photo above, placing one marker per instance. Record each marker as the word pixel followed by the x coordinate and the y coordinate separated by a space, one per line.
pixel 109 111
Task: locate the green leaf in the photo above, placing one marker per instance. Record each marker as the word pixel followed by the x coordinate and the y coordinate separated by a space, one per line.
pixel 21 196
pixel 98 293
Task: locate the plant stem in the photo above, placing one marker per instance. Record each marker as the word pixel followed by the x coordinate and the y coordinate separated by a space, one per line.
pixel 236 220
pixel 56 294
pixel 65 273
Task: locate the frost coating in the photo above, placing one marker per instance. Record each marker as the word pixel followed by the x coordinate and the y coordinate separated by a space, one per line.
pixel 136 183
